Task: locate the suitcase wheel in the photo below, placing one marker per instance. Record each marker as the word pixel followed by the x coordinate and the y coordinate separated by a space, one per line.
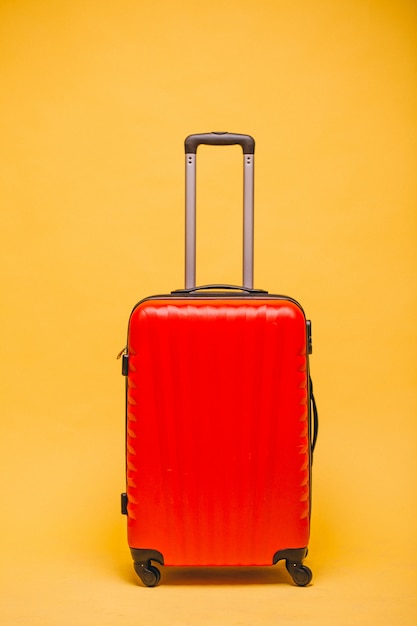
pixel 301 574
pixel 149 574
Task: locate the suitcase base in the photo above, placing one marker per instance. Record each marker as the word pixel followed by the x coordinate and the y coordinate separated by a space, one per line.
pixel 150 575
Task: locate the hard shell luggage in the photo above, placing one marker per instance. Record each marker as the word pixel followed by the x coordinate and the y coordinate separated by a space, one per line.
pixel 220 416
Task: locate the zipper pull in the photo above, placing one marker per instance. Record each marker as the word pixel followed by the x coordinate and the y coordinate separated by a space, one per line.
pixel 125 361
pixel 123 351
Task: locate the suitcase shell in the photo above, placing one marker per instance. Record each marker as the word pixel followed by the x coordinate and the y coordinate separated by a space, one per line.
pixel 218 431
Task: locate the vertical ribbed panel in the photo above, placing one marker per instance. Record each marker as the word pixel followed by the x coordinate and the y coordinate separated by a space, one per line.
pixel 218 455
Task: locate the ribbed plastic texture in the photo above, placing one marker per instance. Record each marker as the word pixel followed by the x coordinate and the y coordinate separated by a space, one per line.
pixel 217 430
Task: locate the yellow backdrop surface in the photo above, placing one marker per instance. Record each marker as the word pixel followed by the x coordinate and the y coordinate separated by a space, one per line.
pixel 97 98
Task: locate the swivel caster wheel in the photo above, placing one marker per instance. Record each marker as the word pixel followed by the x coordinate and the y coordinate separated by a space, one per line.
pixel 149 574
pixel 301 574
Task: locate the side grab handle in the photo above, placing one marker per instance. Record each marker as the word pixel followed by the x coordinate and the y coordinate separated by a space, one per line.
pixel 315 413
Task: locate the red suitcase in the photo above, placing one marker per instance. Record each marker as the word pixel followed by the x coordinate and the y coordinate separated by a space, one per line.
pixel 220 420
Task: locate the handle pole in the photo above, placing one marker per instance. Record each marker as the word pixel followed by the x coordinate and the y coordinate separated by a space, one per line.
pixel 248 219
pixel 190 221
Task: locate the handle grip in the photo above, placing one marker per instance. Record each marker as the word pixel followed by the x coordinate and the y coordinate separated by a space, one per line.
pixel 227 287
pixel 315 427
pixel 219 139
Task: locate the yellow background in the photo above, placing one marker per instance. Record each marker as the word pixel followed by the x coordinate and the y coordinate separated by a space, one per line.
pixel 96 99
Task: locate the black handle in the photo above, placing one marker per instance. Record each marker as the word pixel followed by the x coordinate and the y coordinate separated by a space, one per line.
pixel 229 287
pixel 315 413
pixel 220 139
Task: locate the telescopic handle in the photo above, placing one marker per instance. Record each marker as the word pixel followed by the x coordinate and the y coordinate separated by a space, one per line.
pixel 248 147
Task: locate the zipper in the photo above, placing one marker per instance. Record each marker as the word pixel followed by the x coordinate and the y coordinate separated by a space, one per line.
pixel 123 351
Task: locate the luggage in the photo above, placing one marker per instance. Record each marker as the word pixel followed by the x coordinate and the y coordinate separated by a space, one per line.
pixel 220 416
